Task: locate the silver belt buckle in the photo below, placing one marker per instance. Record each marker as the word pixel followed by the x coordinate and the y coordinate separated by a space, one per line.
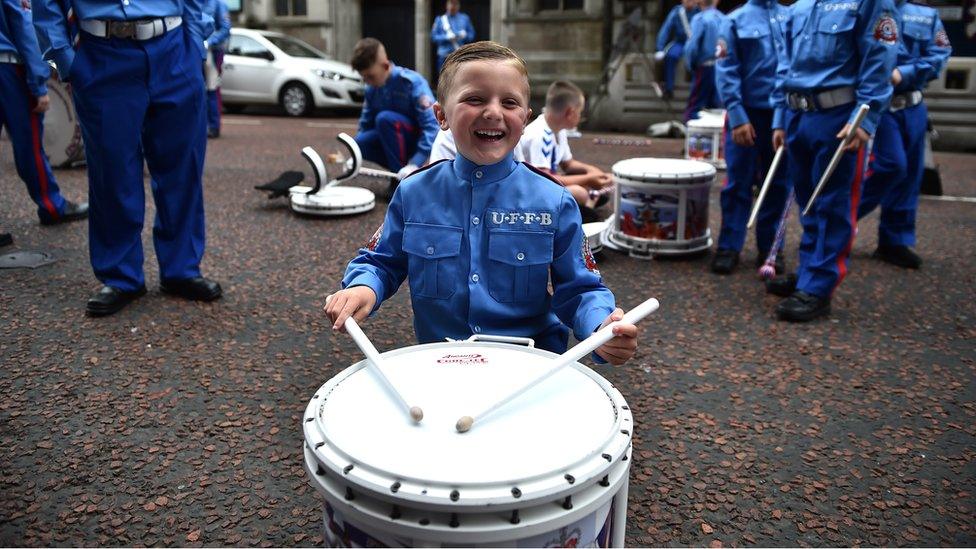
pixel 122 29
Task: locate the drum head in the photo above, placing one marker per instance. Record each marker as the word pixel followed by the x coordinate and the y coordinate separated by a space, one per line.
pixel 62 134
pixel 562 424
pixel 663 170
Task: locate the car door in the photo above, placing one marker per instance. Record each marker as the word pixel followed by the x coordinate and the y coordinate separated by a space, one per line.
pixel 249 71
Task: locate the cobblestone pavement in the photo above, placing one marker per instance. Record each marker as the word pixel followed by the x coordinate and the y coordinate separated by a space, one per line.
pixel 176 423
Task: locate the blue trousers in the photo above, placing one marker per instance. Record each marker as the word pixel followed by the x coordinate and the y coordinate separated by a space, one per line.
pixel 704 93
pixel 213 96
pixel 143 102
pixel 673 54
pixel 747 168
pixel 829 228
pixel 391 142
pixel 895 175
pixel 26 131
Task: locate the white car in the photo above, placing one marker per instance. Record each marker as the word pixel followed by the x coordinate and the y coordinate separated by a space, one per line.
pixel 262 67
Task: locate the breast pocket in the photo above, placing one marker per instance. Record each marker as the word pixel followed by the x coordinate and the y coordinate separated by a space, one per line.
pixel 916 33
pixel 751 41
pixel 835 34
pixel 519 262
pixel 433 258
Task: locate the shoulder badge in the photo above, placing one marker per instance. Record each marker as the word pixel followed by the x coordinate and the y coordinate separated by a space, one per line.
pixel 721 49
pixel 886 30
pixel 588 258
pixel 942 39
pixel 375 239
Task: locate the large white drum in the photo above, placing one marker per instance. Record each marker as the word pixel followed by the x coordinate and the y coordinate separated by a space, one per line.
pixel 661 207
pixel 62 132
pixel 705 138
pixel 549 469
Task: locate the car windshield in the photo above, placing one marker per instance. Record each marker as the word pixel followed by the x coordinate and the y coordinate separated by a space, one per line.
pixel 295 48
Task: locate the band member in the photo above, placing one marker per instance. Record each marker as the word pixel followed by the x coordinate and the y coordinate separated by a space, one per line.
pixel 671 40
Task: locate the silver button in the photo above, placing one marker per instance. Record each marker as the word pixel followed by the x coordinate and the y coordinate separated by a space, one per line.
pixel 520 256
pixel 479 174
pixel 477 329
pixel 834 27
pixel 430 250
pixel 475 277
pixel 475 220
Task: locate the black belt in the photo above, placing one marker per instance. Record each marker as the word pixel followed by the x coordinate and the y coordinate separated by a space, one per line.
pixel 905 100
pixel 820 101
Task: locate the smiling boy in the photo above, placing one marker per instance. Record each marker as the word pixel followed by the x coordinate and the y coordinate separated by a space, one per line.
pixel 481 237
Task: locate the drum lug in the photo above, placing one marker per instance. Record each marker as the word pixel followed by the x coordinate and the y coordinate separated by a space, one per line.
pixel 395 513
pixel 349 495
pixel 568 503
pixel 605 481
pixel 454 520
pixel 515 517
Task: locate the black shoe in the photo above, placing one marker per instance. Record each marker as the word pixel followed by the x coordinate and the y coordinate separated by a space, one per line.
pixel 213 133
pixel 783 286
pixel 725 261
pixel 802 307
pixel 108 300
pixel 196 289
pixel 901 256
pixel 72 212
pixel 6 239
pixel 779 263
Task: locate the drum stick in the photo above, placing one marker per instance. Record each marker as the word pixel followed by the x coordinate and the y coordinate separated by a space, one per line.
pixel 578 351
pixel 375 363
pixel 862 111
pixel 765 186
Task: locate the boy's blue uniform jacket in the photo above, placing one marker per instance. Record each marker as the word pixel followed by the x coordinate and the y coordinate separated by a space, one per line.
pixel 53 34
pixel 408 94
pixel 700 48
pixel 17 38
pixel 217 9
pixel 479 245
pixel 673 30
pixel 925 46
pixel 746 68
pixel 837 43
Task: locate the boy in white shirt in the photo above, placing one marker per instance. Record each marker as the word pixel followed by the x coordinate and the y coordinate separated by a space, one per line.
pixel 545 147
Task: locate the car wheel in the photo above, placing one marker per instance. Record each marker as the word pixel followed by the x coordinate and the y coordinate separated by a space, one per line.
pixel 296 100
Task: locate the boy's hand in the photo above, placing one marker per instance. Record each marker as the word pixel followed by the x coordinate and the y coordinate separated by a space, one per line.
pixel 744 135
pixel 357 302
pixel 779 138
pixel 624 343
pixel 600 180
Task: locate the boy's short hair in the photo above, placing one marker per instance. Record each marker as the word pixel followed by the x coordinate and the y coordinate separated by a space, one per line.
pixel 484 50
pixel 365 53
pixel 562 94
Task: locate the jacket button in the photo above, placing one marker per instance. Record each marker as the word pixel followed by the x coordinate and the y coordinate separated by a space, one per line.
pixel 520 256
pixel 430 250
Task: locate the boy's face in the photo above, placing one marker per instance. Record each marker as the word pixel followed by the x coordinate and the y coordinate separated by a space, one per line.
pixel 453 7
pixel 574 115
pixel 486 110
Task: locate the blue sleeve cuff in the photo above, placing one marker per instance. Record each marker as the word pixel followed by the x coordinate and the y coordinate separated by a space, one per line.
pixel 778 115
pixel 907 75
pixel 870 122
pixel 737 116
pixel 63 58
pixel 370 280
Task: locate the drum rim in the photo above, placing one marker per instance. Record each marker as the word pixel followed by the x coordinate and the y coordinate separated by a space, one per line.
pixel 499 496
pixel 706 172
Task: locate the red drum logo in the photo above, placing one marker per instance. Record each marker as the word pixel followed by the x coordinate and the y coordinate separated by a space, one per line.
pixel 473 358
pixel 886 31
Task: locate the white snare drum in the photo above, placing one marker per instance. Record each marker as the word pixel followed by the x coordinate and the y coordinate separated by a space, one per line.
pixel 62 133
pixel 705 138
pixel 329 201
pixel 594 234
pixel 548 469
pixel 661 207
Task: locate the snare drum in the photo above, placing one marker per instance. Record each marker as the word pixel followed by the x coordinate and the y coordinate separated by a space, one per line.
pixel 594 234
pixel 661 207
pixel 62 133
pixel 550 468
pixel 705 138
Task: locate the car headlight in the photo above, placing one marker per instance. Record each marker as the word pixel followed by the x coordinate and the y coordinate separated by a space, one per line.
pixel 328 75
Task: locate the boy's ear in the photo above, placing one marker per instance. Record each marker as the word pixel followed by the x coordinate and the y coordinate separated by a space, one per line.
pixel 441 116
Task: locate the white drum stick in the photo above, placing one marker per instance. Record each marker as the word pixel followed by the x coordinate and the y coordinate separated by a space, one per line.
pixel 862 111
pixel 578 351
pixel 372 172
pixel 765 187
pixel 375 363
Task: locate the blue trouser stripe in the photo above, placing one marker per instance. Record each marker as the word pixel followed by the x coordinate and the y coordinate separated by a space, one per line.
pixel 897 165
pixel 747 167
pixel 143 102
